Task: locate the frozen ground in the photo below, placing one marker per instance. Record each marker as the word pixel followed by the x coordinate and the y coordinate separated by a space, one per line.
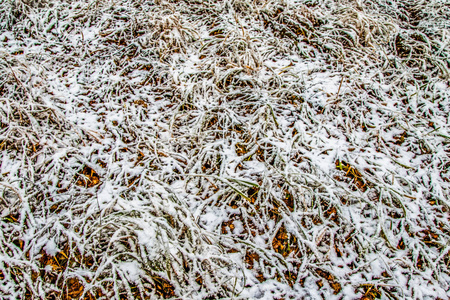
pixel 224 149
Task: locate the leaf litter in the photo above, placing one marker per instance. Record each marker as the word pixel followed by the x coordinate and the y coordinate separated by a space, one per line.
pixel 281 149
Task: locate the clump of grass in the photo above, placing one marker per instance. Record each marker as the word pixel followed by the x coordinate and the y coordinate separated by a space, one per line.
pixel 13 12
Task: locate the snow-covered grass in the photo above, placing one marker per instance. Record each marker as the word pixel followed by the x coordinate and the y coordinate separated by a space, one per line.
pixel 279 149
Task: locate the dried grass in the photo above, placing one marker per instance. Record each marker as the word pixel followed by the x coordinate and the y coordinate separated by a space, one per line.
pixel 224 149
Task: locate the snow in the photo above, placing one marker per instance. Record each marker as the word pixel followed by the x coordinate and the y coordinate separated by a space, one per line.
pixel 305 118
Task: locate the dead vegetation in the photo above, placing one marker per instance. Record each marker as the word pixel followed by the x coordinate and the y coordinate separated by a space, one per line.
pixel 224 149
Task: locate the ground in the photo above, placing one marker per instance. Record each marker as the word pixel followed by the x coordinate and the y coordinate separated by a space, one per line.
pixel 279 149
